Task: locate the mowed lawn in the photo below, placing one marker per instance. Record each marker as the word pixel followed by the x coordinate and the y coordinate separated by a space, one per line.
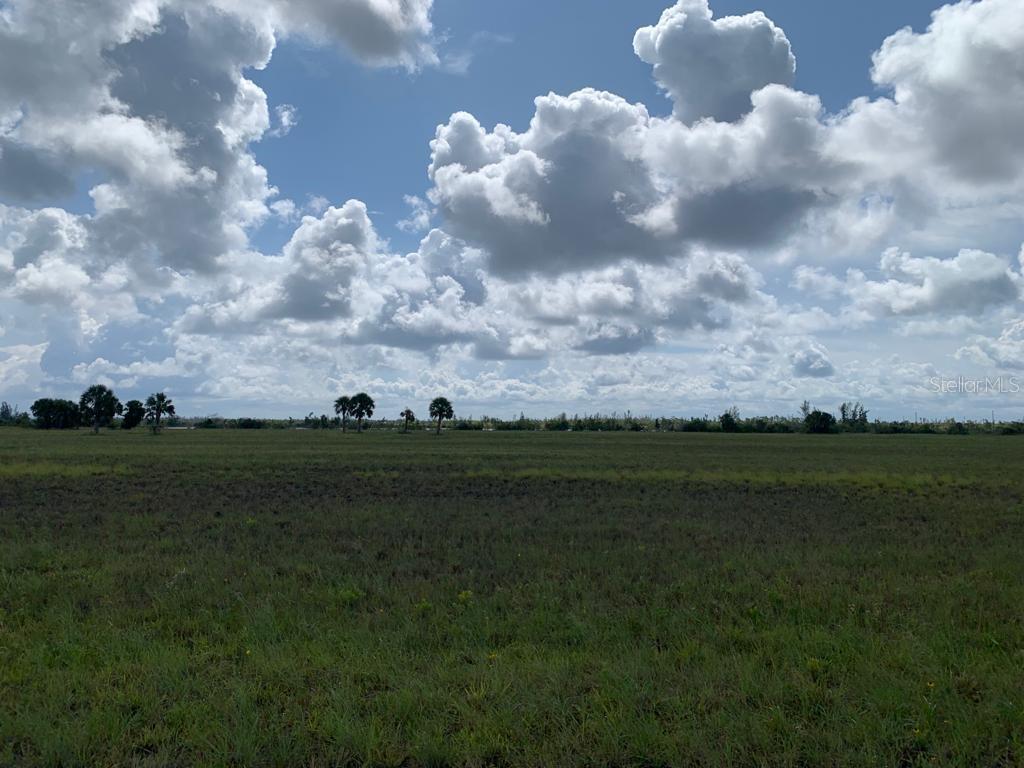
pixel 519 599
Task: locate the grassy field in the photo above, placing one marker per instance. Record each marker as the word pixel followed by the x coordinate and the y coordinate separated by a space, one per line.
pixel 313 598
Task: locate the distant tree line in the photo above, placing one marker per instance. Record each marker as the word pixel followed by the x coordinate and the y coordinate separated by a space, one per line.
pixel 99 408
pixel 359 407
pixel 12 416
pixel 852 418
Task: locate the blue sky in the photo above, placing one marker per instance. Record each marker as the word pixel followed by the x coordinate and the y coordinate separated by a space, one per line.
pixel 516 52
pixel 694 205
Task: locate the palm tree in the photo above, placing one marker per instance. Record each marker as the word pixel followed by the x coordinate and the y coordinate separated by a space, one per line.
pixel 441 409
pixel 158 406
pixel 134 414
pixel 98 406
pixel 408 415
pixel 343 407
pixel 362 408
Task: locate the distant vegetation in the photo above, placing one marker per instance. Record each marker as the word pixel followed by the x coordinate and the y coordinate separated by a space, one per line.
pixel 441 409
pixel 158 406
pixel 12 416
pixel 56 414
pixel 408 417
pixel 134 414
pixel 99 408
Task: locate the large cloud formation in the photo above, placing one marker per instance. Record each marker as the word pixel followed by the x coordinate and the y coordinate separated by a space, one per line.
pixel 150 96
pixel 711 66
pixel 958 97
pixel 602 251
pixel 335 280
pixel 596 179
pixel 969 284
pixel 378 32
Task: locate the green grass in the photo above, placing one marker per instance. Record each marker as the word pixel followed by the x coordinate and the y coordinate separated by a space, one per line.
pixel 307 598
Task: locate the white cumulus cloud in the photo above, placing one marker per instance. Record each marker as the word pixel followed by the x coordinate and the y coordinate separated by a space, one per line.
pixel 711 66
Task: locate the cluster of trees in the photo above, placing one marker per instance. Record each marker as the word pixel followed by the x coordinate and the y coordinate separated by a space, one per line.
pixel 440 411
pixel 358 407
pixel 12 416
pixel 56 414
pixel 853 417
pixel 362 406
pixel 99 408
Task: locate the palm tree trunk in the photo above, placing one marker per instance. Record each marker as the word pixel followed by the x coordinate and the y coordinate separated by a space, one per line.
pixel 439 425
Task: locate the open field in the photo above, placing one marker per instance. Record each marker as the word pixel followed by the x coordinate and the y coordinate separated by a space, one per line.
pixel 312 598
